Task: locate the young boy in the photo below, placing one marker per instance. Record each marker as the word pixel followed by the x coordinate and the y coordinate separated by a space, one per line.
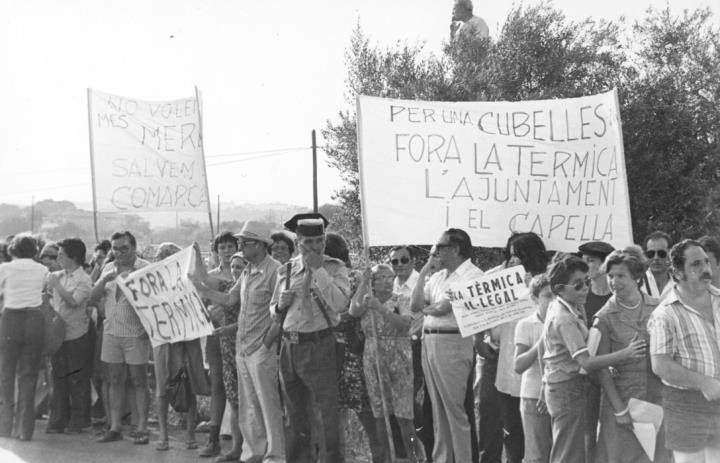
pixel 528 332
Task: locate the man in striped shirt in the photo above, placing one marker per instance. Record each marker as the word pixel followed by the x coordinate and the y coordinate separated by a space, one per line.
pixel 685 353
pixel 125 341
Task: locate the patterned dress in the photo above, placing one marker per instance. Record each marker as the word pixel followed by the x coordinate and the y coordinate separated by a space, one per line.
pixel 392 349
pixel 227 347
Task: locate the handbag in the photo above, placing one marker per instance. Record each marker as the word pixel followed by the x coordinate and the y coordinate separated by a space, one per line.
pixel 178 392
pixel 54 327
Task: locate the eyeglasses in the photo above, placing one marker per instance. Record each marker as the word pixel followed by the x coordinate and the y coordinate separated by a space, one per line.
pixel 48 256
pixel 580 284
pixel 661 254
pixel 402 260
pixel 244 243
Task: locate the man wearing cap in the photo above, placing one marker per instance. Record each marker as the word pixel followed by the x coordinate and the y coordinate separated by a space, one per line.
pixel 317 291
pixel 594 254
pixel 447 358
pixel 259 411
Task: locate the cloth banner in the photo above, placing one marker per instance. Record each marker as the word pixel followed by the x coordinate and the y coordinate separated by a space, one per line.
pixel 553 167
pixel 146 155
pixel 491 300
pixel 166 301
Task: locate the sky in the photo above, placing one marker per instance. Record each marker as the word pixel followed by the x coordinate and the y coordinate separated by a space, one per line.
pixel 269 73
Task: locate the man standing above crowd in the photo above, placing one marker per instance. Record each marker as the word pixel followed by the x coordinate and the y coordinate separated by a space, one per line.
pixel 447 357
pixel 657 282
pixel 125 341
pixel 689 365
pixel 465 26
pixel 318 290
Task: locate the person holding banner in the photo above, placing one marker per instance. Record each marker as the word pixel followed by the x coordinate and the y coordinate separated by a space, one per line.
pixel 447 357
pixel 125 341
pixel 169 359
pixel 391 349
pixel 318 292
pixel 258 405
pixel 624 318
pixel 566 353
pixel 685 355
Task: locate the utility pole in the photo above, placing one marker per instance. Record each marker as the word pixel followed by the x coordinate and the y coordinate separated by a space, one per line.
pixel 314 157
pixel 32 215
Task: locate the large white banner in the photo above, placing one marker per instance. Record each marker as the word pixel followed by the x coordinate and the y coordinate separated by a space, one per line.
pixel 554 167
pixel 147 155
pixel 491 300
pixel 166 301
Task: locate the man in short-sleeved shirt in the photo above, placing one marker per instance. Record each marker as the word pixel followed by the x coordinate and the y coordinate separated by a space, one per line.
pixel 125 341
pixel 685 354
pixel 447 357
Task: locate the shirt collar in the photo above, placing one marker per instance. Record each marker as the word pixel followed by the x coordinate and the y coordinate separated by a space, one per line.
pixel 410 282
pixel 567 305
pixel 260 267
pixel 673 298
pixel 462 268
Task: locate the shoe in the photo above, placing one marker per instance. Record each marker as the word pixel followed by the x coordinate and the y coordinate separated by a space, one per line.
pixel 110 436
pixel 162 446
pixel 210 450
pixel 141 438
pixel 203 427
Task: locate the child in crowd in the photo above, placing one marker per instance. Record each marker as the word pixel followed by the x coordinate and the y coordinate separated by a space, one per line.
pixel 528 337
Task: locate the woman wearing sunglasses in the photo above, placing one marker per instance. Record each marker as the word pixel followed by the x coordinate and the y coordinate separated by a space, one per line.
pixel 566 354
pixel 622 320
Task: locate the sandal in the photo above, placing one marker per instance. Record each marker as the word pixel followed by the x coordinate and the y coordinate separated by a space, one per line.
pixel 162 446
pixel 192 445
pixel 141 438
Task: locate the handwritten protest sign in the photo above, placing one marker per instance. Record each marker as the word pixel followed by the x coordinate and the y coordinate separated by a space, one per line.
pixel 554 167
pixel 166 301
pixel 147 155
pixel 493 299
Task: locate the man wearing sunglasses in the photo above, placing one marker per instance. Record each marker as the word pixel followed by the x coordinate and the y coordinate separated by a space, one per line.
pixel 447 358
pixel 657 281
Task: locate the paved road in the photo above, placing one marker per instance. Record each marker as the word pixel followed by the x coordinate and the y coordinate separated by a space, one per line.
pixel 61 448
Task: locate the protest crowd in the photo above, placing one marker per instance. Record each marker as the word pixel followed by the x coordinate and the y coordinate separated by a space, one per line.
pixel 300 337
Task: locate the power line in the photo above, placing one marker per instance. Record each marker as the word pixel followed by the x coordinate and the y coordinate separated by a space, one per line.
pixel 250 153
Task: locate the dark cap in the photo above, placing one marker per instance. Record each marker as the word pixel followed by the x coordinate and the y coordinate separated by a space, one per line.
pixel 310 224
pixel 596 248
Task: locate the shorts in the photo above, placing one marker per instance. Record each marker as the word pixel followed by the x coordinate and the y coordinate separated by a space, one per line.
pixel 691 422
pixel 131 350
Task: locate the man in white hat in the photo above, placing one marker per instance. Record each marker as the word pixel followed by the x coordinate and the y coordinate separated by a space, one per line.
pixel 259 412
pixel 317 292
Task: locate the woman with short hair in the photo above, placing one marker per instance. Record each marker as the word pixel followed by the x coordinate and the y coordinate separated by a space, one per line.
pixel 22 333
pixel 623 319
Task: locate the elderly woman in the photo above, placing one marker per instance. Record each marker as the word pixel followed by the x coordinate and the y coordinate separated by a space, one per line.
pixel 22 331
pixel 386 323
pixel 622 320
pixel 170 358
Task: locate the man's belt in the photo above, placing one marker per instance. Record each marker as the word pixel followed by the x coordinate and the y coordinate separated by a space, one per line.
pixel 441 331
pixel 296 337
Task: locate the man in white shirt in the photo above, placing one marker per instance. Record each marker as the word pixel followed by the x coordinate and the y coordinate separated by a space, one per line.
pixel 447 357
pixel 657 281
